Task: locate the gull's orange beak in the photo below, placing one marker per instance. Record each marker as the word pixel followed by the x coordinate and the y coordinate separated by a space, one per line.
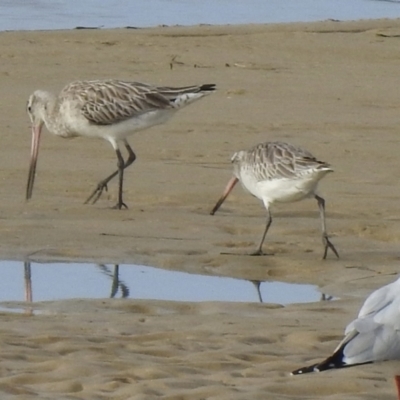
pixel 36 130
pixel 231 184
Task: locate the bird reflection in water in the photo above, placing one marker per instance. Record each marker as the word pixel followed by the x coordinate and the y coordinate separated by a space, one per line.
pixel 257 285
pixel 326 297
pixel 116 282
pixel 28 286
pixel 116 285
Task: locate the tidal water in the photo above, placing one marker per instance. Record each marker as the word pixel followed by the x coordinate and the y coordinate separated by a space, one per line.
pixel 68 14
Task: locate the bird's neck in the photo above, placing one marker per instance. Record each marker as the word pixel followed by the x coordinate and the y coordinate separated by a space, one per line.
pixel 49 111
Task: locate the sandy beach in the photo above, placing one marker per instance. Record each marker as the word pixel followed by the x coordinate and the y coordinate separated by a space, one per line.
pixel 330 87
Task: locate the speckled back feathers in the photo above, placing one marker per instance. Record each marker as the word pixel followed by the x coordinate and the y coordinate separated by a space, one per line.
pixel 277 160
pixel 110 101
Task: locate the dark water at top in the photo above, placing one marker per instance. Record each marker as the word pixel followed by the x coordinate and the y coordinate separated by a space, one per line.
pixel 67 14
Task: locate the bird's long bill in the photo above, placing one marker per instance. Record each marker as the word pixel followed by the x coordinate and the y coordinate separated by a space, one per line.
pixel 231 184
pixel 36 130
pixel 397 381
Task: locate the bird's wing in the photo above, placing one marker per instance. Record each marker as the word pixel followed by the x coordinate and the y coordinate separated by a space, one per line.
pixel 375 334
pixel 380 299
pixel 108 102
pixel 274 160
pixel 380 308
pixel 377 343
pixel 172 93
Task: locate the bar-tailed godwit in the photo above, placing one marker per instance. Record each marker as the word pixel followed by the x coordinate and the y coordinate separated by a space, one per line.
pixel 110 110
pixel 373 336
pixel 277 172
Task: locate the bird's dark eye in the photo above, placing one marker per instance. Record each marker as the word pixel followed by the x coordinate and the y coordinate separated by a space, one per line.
pixel 29 108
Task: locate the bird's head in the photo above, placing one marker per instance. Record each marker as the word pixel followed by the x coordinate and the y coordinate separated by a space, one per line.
pixel 37 108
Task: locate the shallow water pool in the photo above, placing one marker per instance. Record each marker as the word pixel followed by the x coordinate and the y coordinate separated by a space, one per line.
pixel 57 281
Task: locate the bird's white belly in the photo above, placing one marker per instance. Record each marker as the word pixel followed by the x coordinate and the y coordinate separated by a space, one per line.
pixel 281 190
pixel 119 130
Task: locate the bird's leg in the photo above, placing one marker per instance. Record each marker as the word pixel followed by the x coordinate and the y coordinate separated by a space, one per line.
pixel 259 251
pixel 325 240
pixel 97 192
pixel 121 167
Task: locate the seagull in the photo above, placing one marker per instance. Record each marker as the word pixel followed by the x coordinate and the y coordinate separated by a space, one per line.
pixel 278 172
pixel 107 109
pixel 373 336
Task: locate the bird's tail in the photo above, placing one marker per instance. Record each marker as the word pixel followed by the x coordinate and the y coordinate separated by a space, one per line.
pixel 305 370
pixel 183 96
pixel 334 361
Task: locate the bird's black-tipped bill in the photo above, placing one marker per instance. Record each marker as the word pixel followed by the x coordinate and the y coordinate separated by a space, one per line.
pixel 231 184
pixel 36 130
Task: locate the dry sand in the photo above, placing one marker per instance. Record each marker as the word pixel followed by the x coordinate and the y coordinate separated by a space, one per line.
pixel 330 87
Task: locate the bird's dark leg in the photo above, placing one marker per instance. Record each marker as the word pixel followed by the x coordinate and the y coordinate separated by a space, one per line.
pixel 325 240
pixel 97 192
pixel 121 167
pixel 259 251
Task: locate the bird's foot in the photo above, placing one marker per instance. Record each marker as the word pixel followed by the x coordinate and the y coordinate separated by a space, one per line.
pixel 328 245
pixel 95 195
pixel 259 252
pixel 120 206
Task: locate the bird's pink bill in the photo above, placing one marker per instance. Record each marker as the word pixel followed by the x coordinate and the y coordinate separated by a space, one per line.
pixel 36 131
pixel 231 184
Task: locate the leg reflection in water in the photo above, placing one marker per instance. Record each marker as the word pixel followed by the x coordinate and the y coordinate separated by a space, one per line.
pixel 116 282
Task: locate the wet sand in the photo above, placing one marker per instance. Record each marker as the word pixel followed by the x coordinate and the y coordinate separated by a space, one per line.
pixel 329 87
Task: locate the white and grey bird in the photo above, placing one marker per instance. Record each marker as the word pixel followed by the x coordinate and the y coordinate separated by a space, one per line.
pixel 277 172
pixel 108 109
pixel 373 336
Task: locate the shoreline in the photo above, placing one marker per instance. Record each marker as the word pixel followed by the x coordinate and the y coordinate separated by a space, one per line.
pixel 371 22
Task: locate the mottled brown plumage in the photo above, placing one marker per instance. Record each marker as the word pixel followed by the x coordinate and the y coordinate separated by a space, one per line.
pixel 277 160
pixel 277 172
pixel 109 109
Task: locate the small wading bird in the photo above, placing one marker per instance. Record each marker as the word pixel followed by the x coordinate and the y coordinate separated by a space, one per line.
pixel 111 110
pixel 373 336
pixel 277 172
